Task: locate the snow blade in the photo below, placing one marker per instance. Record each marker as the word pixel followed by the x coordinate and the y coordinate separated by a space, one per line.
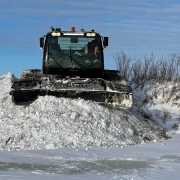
pixel 106 98
pixel 20 97
pixel 112 93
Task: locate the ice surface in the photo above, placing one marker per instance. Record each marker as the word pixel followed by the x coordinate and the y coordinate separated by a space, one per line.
pixel 146 161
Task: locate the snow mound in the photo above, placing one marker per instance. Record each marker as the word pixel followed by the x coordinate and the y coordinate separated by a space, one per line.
pixel 52 122
pixel 160 102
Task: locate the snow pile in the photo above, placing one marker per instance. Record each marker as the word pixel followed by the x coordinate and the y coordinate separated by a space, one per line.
pixel 52 122
pixel 160 102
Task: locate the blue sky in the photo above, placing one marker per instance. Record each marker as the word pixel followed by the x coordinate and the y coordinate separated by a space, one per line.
pixel 136 27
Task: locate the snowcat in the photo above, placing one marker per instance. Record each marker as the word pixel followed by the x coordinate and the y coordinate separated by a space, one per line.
pixel 73 67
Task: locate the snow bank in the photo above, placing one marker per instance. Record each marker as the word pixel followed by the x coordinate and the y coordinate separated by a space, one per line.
pixel 52 122
pixel 161 102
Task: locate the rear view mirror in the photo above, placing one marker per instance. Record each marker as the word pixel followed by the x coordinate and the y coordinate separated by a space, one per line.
pixel 41 43
pixel 105 42
pixel 74 40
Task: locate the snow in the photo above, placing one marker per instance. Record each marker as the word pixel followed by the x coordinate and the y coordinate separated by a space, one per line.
pixel 145 161
pixel 80 139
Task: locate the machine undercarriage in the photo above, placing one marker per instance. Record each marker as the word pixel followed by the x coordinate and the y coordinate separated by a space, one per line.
pixel 34 83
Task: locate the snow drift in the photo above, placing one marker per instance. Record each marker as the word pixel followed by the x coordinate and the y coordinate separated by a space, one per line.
pixel 52 122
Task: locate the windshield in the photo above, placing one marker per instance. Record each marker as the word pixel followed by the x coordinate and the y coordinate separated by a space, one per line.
pixel 73 52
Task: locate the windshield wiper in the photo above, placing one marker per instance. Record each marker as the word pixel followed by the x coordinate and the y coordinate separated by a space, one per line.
pixel 72 59
pixel 56 61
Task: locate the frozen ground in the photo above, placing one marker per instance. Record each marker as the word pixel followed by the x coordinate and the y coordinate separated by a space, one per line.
pixel 74 139
pixel 145 161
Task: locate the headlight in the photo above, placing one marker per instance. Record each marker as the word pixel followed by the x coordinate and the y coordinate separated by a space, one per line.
pixel 56 34
pixel 91 34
